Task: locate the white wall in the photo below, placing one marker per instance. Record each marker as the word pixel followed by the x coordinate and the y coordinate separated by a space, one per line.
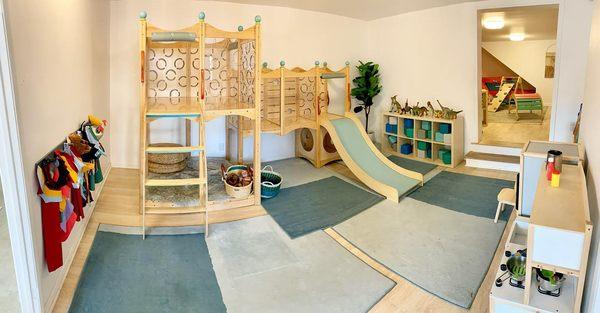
pixel 432 54
pixel 527 59
pixel 299 37
pixel 60 64
pixel 589 133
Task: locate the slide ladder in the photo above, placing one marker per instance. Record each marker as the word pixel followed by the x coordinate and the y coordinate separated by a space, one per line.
pixel 503 92
pixel 365 161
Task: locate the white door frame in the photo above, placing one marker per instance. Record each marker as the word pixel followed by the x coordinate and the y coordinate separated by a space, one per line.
pixel 499 4
pixel 13 183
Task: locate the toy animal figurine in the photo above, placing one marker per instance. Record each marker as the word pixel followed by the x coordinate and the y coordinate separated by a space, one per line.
pixel 432 111
pixel 448 113
pixel 406 109
pixel 419 111
pixel 395 106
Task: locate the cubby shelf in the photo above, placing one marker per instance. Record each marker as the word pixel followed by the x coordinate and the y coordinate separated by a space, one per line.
pixel 455 145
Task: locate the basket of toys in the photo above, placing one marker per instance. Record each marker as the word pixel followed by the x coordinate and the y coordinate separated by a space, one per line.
pixel 270 182
pixel 238 180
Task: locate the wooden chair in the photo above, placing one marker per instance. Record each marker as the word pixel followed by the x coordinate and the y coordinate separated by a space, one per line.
pixel 505 196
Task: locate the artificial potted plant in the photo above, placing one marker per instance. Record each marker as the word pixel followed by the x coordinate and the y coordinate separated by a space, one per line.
pixel 366 87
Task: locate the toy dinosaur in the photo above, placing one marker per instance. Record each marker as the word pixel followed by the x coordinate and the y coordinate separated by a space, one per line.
pixel 448 113
pixel 395 106
pixel 419 111
pixel 406 109
pixel 432 111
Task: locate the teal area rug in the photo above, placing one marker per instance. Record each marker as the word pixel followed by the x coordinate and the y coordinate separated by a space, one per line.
pixel 320 204
pixel 442 239
pixel 467 194
pixel 360 152
pixel 124 273
pixel 261 270
pixel 413 165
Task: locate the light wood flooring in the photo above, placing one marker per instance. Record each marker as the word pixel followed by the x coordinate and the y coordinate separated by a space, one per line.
pixel 515 134
pixel 118 205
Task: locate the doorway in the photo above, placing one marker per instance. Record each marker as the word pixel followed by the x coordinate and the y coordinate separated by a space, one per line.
pixel 517 53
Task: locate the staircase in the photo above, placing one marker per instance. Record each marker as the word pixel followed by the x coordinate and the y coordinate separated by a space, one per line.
pixel 493 157
pixel 189 113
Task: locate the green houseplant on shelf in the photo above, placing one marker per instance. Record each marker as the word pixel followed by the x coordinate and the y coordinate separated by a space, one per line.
pixel 366 87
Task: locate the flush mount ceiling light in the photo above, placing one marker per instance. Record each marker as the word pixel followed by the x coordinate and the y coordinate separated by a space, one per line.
pixel 493 22
pixel 516 36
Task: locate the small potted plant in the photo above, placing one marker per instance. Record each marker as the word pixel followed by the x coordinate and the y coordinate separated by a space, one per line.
pixel 366 87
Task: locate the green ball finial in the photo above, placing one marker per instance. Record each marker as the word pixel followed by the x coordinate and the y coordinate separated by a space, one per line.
pixel 265 64
pixel 316 63
pixel 201 16
pixel 282 63
pixel 257 18
pixel 324 64
pixel 143 15
pixel 240 28
pixel 347 63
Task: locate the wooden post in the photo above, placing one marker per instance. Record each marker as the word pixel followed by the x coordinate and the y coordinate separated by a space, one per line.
pixel 318 142
pixel 281 101
pixel 202 166
pixel 143 125
pixel 257 119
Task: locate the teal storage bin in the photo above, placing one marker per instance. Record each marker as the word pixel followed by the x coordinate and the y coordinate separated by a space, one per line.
pixel 445 155
pixel 439 137
pixel 428 134
pixel 428 153
pixel 426 125
pixel 409 132
pixel 445 128
pixel 422 145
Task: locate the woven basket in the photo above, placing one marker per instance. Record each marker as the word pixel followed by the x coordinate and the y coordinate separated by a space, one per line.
pixel 270 182
pixel 166 168
pixel 237 192
pixel 167 158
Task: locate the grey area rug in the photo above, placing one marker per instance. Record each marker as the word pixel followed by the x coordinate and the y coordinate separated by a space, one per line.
pixel 439 246
pixel 124 273
pixel 260 269
pixel 320 204
pixel 413 165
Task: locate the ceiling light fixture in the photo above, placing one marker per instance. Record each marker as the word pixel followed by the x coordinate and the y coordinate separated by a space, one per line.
pixel 516 36
pixel 493 22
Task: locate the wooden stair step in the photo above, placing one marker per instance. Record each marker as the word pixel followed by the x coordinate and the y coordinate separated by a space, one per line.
pixel 173 149
pixel 493 157
pixel 175 210
pixel 174 182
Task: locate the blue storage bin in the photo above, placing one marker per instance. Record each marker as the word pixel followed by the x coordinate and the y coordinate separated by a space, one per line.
pixel 392 129
pixel 408 123
pixel 406 148
pixel 426 125
pixel 445 128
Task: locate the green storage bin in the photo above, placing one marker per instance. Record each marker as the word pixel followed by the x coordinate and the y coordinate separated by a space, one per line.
pixel 409 132
pixel 439 137
pixel 428 134
pixel 426 125
pixel 422 145
pixel 445 155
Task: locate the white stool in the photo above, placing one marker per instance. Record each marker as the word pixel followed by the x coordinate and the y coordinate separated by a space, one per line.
pixel 506 196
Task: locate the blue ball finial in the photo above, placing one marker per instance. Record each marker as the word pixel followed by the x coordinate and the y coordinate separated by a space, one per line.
pixel 324 64
pixel 143 15
pixel 316 63
pixel 240 28
pixel 201 16
pixel 264 64
pixel 257 19
pixel 347 63
pixel 282 63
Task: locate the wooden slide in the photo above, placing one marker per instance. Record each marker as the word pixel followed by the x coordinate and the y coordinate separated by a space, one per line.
pixel 366 161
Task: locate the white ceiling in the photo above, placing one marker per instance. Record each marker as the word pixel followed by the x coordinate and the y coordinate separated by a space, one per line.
pixel 360 9
pixel 537 22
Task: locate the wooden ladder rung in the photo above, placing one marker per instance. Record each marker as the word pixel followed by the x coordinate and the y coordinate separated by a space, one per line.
pixel 175 210
pixel 174 182
pixel 173 149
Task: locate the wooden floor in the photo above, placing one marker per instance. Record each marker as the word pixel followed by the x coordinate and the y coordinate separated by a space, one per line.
pixel 118 205
pixel 515 134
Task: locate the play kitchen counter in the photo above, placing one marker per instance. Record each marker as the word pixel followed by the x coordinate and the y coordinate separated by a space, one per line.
pixel 555 238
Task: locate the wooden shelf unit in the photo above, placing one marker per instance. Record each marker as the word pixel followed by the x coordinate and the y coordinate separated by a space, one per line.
pixel 456 145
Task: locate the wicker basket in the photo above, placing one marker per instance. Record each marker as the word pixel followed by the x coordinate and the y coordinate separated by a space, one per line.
pixel 270 182
pixel 167 158
pixel 166 168
pixel 237 192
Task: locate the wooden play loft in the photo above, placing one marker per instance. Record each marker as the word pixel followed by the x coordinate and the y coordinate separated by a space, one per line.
pixel 190 76
pixel 289 104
